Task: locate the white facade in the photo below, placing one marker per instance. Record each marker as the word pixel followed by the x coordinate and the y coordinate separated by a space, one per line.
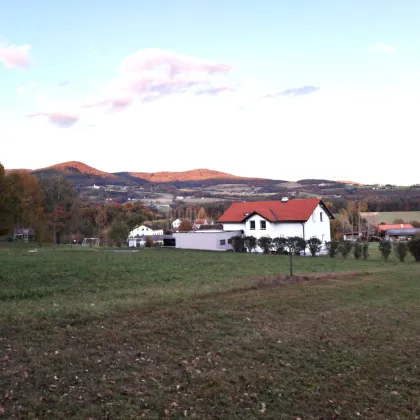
pixel 144 230
pixel 317 225
pixel 211 240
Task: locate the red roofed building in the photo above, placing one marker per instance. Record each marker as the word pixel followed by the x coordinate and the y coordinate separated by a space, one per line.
pixel 384 228
pixel 301 217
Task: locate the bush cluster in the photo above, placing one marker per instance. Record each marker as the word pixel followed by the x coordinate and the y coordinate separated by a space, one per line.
pixel 279 245
pixel 296 245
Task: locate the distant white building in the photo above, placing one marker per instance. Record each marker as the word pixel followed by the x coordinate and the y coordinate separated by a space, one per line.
pixel 146 230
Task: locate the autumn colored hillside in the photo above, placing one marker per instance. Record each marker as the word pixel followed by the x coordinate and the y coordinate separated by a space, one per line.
pixel 79 170
pixel 9 171
pixel 185 176
pixel 70 168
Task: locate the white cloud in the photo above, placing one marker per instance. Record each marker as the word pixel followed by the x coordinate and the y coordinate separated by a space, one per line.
pixel 15 55
pixel 383 48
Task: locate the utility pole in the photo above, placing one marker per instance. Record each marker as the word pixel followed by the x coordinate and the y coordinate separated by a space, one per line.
pixel 291 262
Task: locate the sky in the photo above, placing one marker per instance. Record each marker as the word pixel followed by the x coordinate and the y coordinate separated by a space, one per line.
pixel 270 88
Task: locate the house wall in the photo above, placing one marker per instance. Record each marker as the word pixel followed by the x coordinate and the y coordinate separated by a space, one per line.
pixel 314 226
pixel 272 229
pixel 205 240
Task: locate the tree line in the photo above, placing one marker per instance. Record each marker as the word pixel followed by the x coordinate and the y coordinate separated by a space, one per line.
pixel 52 208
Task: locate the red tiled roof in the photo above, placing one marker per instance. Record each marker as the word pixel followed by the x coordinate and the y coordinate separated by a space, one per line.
pixel 395 226
pixel 298 210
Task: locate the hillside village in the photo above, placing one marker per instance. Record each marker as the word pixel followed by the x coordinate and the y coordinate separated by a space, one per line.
pixel 158 209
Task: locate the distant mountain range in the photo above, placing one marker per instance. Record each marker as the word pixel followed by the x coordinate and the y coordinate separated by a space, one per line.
pixel 81 174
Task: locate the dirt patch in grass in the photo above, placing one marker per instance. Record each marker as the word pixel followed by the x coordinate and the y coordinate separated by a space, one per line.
pixel 282 280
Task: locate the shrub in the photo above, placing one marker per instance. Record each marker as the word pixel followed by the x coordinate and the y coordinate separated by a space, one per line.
pixel 314 245
pixel 250 243
pixel 185 226
pixel 385 248
pixel 365 250
pixel 149 242
pixel 401 250
pixel 238 243
pixel 345 248
pixel 332 247
pixel 278 244
pixel 296 244
pixel 265 244
pixel 357 250
pixel 414 248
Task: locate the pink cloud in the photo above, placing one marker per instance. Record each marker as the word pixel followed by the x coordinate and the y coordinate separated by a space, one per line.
pixel 59 119
pixel 174 64
pixel 15 56
pixel 114 104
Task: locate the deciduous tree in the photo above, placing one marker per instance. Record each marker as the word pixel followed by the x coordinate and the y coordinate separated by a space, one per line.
pixel 25 199
pixel 185 226
pixel 201 214
pixel 61 205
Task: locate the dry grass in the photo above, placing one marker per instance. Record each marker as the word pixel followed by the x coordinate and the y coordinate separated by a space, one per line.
pixel 341 345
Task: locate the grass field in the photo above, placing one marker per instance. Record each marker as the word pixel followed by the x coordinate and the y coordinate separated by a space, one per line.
pixel 390 216
pixel 188 334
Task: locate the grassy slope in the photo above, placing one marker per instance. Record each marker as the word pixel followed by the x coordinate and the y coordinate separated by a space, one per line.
pixel 91 334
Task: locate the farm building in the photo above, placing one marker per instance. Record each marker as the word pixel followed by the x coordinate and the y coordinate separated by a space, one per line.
pixel 401 234
pixel 386 227
pixel 206 239
pixel 146 230
pixel 305 218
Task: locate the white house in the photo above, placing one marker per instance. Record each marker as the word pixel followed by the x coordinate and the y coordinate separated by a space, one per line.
pixel 305 218
pixel 146 230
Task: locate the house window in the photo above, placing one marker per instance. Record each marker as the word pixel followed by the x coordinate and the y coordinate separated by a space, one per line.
pixel 230 240
pixel 313 217
pixel 222 241
pixel 320 216
pixel 252 224
pixel 263 225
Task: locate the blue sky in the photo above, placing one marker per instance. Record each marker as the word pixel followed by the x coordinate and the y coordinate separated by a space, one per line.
pixel 281 89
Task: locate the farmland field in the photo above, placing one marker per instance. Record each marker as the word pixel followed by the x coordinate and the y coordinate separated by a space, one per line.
pixel 390 216
pixel 188 334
